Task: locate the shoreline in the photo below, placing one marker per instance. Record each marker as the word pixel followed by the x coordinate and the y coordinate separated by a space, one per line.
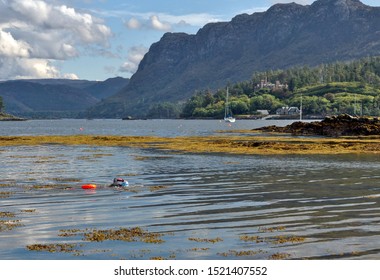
pixel 245 144
pixel 7 117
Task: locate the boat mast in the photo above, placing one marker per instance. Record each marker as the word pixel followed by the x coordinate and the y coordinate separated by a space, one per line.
pixel 226 112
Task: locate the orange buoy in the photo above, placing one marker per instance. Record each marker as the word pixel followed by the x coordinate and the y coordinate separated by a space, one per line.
pixel 89 186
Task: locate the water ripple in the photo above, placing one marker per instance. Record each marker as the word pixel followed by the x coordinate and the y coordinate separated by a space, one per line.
pixel 318 207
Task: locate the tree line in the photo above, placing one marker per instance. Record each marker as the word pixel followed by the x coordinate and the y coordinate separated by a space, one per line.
pixel 342 87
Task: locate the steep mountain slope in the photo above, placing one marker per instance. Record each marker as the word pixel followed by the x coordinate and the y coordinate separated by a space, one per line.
pixel 107 88
pixel 285 35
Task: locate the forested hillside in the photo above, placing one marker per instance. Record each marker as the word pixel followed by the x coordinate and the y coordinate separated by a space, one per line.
pixel 352 88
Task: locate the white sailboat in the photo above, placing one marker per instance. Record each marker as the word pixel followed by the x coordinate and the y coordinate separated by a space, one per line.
pixel 227 112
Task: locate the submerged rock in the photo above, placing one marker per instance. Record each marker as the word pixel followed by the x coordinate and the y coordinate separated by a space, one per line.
pixel 334 126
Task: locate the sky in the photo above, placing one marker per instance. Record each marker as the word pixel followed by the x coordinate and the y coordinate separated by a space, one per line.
pixel 101 39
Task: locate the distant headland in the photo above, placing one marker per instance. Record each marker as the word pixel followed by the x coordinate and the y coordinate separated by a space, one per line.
pixel 9 117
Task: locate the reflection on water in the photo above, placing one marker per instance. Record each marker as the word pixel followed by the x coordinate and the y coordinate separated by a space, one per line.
pixel 164 128
pixel 206 206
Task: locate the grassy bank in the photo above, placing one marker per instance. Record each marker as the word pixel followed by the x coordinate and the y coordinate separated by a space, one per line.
pixel 245 144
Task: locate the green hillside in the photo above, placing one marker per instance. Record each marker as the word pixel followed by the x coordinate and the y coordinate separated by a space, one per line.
pixel 352 88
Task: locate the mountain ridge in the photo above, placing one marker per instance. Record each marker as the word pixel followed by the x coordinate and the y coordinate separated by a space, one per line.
pixel 285 35
pixel 52 98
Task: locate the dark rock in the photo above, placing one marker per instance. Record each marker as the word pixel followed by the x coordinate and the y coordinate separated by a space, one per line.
pixel 335 126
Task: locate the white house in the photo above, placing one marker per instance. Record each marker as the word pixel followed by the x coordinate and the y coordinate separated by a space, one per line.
pixel 263 112
pixel 288 111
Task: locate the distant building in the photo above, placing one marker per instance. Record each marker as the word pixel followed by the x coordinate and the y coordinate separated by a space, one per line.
pixel 266 84
pixel 263 112
pixel 291 111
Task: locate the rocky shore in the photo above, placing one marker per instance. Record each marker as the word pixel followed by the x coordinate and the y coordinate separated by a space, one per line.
pixel 335 126
pixel 8 117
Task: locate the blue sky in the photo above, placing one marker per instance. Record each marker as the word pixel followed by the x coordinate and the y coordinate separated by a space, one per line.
pixel 99 39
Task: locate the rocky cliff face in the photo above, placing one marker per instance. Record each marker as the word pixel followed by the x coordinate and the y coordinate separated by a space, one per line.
pixel 286 35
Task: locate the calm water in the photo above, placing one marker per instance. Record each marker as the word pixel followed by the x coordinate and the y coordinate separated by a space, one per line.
pixel 205 206
pixel 166 128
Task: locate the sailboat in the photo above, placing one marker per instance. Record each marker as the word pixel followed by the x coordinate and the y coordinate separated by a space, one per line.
pixel 227 111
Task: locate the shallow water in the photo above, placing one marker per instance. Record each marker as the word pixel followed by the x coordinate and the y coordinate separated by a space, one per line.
pixel 205 206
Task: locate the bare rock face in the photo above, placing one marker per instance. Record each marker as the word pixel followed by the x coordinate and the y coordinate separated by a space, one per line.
pixel 340 9
pixel 285 35
pixel 335 126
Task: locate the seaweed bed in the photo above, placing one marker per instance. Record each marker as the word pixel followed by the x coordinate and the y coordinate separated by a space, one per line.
pixel 138 234
pixel 363 138
pixel 270 144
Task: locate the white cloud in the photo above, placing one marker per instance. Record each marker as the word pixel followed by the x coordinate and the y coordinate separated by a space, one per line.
pixel 30 68
pixel 9 47
pixel 198 20
pixel 153 22
pixel 254 10
pixel 135 55
pixel 159 25
pixel 34 11
pixel 70 76
pixel 168 22
pixel 133 23
pixel 35 33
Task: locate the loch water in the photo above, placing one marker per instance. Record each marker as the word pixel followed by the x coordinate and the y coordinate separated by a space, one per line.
pixel 201 206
